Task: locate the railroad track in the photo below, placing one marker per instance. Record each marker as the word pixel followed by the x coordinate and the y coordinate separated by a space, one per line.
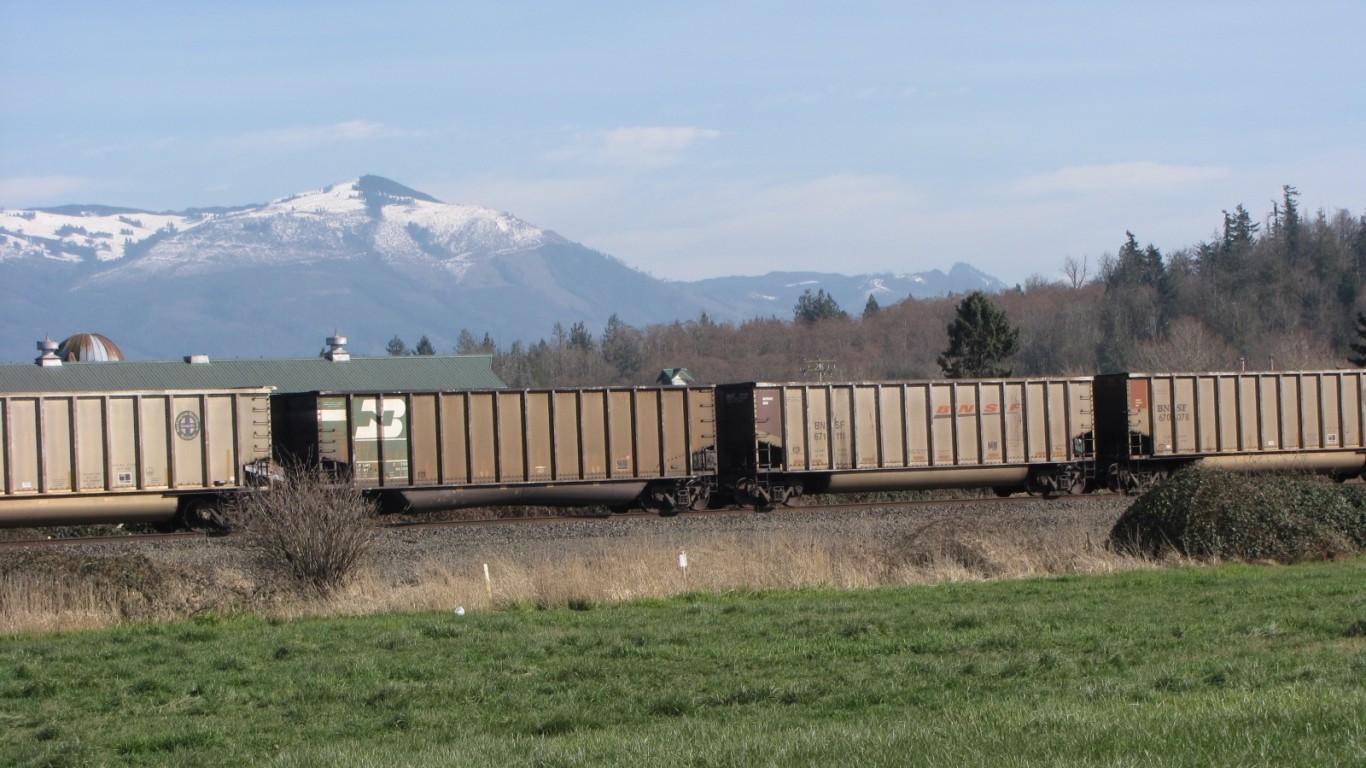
pixel 133 539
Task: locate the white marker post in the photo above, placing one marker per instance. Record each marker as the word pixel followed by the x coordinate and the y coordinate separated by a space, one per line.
pixel 683 564
pixel 488 583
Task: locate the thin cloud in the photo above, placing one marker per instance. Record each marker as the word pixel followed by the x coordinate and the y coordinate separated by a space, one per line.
pixel 641 146
pixel 1116 176
pixel 303 137
pixel 37 189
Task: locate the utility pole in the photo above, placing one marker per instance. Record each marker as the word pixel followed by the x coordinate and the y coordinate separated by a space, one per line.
pixel 820 367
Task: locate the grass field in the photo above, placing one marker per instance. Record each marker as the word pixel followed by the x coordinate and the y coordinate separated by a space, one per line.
pixel 1228 665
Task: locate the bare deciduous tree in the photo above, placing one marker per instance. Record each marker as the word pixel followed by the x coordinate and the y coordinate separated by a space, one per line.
pixel 1075 271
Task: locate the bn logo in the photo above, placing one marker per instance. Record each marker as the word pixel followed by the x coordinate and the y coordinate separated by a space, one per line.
pixel 373 425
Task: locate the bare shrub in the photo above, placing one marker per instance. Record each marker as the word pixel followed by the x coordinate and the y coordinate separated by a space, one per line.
pixel 310 532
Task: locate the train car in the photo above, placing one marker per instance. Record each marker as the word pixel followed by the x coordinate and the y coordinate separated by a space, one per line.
pixel 778 441
pixel 1150 424
pixel 114 457
pixel 651 447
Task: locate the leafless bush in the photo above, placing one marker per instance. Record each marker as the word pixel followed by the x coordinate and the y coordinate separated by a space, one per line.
pixel 311 532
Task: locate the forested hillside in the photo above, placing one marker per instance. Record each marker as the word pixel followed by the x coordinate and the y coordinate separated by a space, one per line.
pixel 1278 293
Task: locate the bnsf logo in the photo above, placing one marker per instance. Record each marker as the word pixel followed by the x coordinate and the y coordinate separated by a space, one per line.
pixel 373 425
pixel 968 409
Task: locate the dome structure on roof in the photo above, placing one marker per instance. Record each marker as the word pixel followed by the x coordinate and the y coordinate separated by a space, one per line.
pixel 89 348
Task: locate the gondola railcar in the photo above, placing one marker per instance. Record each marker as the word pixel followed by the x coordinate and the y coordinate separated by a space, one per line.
pixel 778 441
pixel 1151 424
pixel 118 457
pixel 619 447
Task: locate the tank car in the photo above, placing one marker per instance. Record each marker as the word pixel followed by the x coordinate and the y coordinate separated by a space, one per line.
pixel 778 441
pixel 116 457
pixel 1152 424
pixel 651 447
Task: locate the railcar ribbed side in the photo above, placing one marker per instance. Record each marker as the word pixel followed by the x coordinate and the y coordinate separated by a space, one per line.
pixel 781 440
pixel 113 457
pixel 612 446
pixel 1154 423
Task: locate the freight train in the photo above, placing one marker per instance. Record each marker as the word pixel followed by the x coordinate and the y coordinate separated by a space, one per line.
pixel 174 456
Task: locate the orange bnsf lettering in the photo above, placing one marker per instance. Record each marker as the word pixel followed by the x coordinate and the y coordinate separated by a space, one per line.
pixel 943 410
pixel 968 408
pixel 991 408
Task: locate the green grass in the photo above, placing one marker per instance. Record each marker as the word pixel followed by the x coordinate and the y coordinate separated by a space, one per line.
pixel 1234 665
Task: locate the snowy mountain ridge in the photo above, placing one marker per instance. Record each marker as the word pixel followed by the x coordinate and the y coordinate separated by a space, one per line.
pixel 368 256
pixel 341 221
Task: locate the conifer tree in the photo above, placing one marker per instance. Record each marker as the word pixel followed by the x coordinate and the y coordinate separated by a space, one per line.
pixel 1359 346
pixel 813 307
pixel 871 307
pixel 980 337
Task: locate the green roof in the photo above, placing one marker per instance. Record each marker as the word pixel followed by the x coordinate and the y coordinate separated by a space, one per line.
pixel 412 373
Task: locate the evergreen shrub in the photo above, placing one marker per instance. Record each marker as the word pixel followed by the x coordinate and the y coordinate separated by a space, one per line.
pixel 1206 513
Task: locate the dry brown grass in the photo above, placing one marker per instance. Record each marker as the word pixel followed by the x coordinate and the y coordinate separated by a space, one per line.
pixel 615 571
pixel 59 592
pixel 554 575
pixel 44 603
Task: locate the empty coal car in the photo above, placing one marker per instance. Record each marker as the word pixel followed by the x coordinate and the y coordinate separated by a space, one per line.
pixel 1150 424
pixel 92 457
pixel 777 441
pixel 618 447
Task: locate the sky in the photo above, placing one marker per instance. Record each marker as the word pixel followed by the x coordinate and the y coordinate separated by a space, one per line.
pixel 700 139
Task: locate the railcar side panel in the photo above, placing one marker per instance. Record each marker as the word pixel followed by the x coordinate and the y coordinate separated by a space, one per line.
pixel 891 421
pixel 122 453
pixel 593 433
pixel 621 433
pixel 482 438
pixel 566 436
pixel 23 444
pixel 991 434
pixel 424 431
pixel 648 407
pixel 1307 420
pixel 918 433
pixel 453 428
pixel 511 436
pixel 446 449
pixel 921 434
pixel 156 443
pixel 60 439
pixel 68 458
pixel 539 451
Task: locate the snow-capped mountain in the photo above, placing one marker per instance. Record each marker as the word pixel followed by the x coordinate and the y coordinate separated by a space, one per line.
pixel 395 223
pixel 368 257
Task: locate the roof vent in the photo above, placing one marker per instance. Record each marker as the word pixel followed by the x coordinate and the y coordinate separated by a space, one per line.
pixel 337 348
pixel 48 358
pixel 197 359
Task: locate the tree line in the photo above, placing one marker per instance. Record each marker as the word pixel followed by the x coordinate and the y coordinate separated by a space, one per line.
pixel 1282 292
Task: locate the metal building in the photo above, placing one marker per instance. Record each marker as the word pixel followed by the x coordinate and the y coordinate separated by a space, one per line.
pixel 336 371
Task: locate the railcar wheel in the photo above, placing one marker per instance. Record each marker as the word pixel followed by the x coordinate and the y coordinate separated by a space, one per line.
pixel 202 514
pixel 700 500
